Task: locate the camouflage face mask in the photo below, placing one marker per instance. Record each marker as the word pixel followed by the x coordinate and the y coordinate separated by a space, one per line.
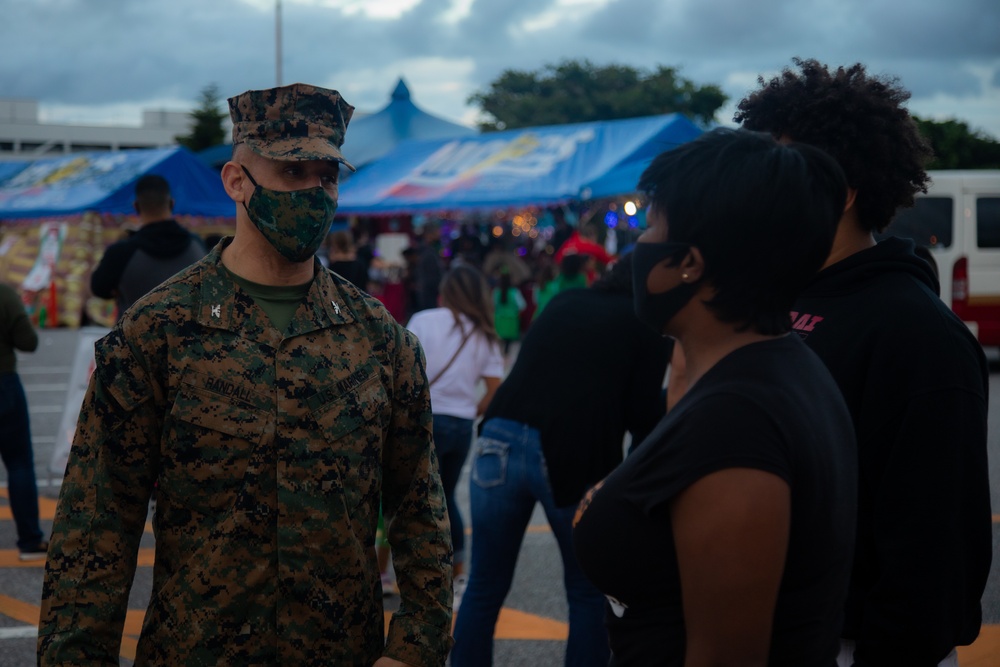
pixel 294 223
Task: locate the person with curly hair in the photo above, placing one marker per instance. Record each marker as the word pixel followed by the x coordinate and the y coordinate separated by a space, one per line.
pixel 914 377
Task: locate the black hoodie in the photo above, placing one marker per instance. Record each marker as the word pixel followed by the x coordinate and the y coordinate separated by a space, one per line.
pixel 133 266
pixel 916 382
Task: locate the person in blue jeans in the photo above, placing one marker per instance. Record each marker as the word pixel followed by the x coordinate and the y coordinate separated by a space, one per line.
pixel 463 355
pixel 555 427
pixel 17 333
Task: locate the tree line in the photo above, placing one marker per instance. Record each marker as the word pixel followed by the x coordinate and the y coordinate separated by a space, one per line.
pixel 576 91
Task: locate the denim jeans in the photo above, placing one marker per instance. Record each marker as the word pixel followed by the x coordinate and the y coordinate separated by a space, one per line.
pixel 15 449
pixel 452 439
pixel 508 477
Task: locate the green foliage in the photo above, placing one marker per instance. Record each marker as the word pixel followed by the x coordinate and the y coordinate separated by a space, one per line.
pixel 958 147
pixel 208 117
pixel 576 92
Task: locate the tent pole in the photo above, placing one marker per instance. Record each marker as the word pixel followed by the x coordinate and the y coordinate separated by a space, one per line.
pixel 277 41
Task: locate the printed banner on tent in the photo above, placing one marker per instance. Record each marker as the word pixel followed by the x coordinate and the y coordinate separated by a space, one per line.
pixel 104 182
pixel 530 166
pixel 491 165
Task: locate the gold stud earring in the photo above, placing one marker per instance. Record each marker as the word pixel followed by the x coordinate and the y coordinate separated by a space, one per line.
pixel 684 276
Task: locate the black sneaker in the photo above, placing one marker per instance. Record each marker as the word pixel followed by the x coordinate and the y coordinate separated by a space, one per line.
pixel 37 552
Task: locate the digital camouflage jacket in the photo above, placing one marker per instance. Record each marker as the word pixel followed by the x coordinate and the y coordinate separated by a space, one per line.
pixel 271 454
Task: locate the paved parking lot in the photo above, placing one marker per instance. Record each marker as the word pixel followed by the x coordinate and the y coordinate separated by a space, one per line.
pixel 532 627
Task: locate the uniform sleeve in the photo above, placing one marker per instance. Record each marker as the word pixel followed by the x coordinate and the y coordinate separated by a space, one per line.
pixel 414 507
pixel 100 516
pixel 932 533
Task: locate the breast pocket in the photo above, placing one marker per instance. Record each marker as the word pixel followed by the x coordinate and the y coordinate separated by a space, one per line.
pixel 354 421
pixel 211 438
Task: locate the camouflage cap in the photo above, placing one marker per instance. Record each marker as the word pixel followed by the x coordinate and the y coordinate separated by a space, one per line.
pixel 296 122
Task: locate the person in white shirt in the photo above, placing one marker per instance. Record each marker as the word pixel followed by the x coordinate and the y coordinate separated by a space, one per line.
pixel 462 348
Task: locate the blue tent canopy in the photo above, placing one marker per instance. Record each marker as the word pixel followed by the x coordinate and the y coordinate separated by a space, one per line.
pixel 104 182
pixel 370 137
pixel 531 166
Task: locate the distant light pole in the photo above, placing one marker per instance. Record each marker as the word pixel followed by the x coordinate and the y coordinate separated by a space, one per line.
pixel 277 41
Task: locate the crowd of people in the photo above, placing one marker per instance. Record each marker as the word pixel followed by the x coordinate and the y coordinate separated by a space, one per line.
pixel 756 472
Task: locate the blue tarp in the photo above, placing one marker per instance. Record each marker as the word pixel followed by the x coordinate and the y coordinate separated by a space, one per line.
pixel 531 166
pixel 104 182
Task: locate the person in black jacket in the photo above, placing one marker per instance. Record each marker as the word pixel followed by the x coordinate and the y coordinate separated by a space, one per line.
pixel 588 371
pixel 915 379
pixel 156 251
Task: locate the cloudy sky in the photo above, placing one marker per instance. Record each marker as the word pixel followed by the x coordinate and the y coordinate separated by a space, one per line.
pixel 103 61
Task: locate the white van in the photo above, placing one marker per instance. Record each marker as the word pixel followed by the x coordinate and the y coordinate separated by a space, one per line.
pixel 959 221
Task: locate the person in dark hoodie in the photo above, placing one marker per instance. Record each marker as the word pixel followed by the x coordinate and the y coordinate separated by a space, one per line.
pixel 156 251
pixel 914 377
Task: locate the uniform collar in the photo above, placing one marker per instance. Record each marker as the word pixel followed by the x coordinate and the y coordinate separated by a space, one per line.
pixel 224 305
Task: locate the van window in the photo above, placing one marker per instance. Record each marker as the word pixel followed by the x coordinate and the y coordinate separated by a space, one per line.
pixel 988 222
pixel 928 223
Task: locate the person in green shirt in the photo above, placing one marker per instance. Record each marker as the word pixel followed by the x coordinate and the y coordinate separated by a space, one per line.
pixel 570 275
pixel 508 303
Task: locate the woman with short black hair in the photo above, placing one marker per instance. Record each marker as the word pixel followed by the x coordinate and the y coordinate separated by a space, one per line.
pixel 726 536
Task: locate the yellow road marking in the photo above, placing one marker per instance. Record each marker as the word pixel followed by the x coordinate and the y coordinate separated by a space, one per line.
pixel 514 624
pixel 19 611
pixel 984 651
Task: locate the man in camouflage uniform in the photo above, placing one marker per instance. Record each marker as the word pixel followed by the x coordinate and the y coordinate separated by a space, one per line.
pixel 275 405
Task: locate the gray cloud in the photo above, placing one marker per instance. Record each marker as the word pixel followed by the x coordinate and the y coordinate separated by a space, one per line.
pixel 79 52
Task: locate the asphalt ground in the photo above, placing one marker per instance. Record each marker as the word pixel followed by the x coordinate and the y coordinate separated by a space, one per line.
pixel 532 627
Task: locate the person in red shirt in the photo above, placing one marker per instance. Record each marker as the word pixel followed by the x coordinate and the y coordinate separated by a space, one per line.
pixel 584 242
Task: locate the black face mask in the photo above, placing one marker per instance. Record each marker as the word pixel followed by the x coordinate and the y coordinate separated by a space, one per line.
pixel 657 310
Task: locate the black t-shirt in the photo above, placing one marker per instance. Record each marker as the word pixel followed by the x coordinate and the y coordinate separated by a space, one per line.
pixel 588 371
pixel 769 406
